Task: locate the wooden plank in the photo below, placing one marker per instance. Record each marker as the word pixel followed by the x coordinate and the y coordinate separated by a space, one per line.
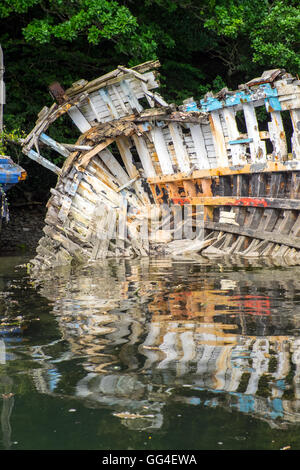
pixel 59 148
pixel 275 184
pixel 190 188
pixel 257 146
pixel 288 220
pixel 180 150
pixel 295 186
pixel 86 199
pixel 116 75
pixel 277 136
pixel 109 103
pixel 225 186
pixel 77 147
pixel 65 208
pixel 105 235
pixel 41 122
pixel 102 189
pixel 93 108
pixel 237 201
pixel 240 185
pixel 98 222
pixel 253 233
pixel 295 117
pixel 132 100
pixel 144 155
pixel 133 72
pixel 268 166
pixel 254 218
pixel 42 161
pixel 123 145
pixel 122 227
pixel 218 138
pixel 71 184
pixel 257 184
pixel 114 166
pixel 97 169
pixel 120 100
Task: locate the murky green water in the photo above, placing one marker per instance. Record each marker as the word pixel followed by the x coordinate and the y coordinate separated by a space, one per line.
pixel 151 355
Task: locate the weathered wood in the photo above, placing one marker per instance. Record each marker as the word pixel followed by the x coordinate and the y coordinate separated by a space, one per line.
pixel 123 145
pixel 130 96
pixel 162 151
pixel 78 119
pixel 109 103
pixel 86 157
pixel 265 202
pixel 277 136
pixel 144 156
pixel 295 117
pixel 114 167
pixel 105 225
pixel 33 155
pixel 114 77
pixel 257 147
pixel 180 150
pixel 249 201
pixel 267 167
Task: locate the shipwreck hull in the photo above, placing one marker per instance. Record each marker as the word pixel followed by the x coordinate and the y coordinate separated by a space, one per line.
pixel 145 177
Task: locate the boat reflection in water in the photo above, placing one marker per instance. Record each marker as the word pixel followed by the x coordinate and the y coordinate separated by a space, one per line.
pixel 154 332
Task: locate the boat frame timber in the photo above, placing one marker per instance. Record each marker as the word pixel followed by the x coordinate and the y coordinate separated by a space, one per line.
pixel 130 161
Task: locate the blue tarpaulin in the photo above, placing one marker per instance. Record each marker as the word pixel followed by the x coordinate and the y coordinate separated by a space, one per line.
pixel 10 174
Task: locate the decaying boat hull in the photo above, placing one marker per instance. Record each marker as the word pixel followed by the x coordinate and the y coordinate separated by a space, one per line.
pixel 201 177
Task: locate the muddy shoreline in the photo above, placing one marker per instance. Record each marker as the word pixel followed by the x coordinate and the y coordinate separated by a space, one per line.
pixel 23 231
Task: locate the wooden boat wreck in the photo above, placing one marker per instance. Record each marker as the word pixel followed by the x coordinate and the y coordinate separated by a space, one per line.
pixel 147 177
pixel 10 172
